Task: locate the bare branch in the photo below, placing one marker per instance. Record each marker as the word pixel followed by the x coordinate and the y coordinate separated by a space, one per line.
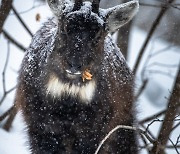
pixel 146 145
pixel 148 131
pixel 12 111
pixel 4 72
pixel 152 117
pixel 123 127
pixel 141 89
pixel 168 74
pixel 10 120
pixel 151 55
pixel 162 65
pixel 167 125
pixel 151 32
pixel 12 40
pixel 175 147
pixel 2 117
pixel 178 140
pixel 30 9
pixel 4 11
pixel 21 21
pixel 166 49
pixel 5 67
pixel 178 124
pixel 5 92
pixel 175 6
pixel 167 147
pixel 111 132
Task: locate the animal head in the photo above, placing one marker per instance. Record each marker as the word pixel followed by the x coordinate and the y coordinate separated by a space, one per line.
pixel 82 28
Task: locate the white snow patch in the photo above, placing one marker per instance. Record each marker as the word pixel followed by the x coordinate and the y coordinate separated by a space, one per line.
pixel 15 141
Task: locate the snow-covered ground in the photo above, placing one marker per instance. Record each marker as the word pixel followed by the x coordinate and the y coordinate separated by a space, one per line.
pixel 149 103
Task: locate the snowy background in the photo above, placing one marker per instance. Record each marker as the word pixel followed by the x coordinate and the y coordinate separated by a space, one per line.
pixel 153 99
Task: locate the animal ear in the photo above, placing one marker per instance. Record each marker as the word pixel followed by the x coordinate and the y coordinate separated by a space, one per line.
pixel 120 15
pixel 57 6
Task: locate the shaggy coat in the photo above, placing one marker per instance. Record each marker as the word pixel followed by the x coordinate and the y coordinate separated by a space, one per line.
pixel 63 113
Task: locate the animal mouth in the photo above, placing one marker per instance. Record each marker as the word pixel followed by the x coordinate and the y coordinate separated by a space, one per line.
pixel 85 75
pixel 73 74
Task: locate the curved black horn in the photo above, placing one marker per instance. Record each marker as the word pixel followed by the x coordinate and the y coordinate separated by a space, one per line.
pixel 95 6
pixel 77 4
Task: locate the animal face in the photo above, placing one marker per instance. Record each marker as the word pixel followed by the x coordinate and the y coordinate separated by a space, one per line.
pixel 83 43
pixel 82 28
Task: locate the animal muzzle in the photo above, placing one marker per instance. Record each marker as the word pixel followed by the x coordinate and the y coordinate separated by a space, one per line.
pixel 74 67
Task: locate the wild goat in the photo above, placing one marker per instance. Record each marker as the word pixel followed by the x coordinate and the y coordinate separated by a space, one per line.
pixel 74 84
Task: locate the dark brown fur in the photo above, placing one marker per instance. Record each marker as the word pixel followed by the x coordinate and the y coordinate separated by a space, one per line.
pixel 67 124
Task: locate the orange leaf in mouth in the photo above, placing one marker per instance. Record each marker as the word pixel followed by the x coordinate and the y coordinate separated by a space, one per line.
pixel 38 17
pixel 86 75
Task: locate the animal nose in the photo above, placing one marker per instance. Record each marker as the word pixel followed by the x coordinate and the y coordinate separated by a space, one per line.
pixel 74 66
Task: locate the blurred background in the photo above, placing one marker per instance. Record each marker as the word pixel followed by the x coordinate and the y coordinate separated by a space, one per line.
pixel 151 45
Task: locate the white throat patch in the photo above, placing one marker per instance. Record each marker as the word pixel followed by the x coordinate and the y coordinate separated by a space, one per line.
pixel 57 89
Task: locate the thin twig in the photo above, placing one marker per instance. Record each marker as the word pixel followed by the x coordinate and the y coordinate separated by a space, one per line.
pixel 6 93
pixel 166 49
pixel 30 9
pixel 2 117
pixel 168 74
pixel 141 89
pixel 12 40
pixel 10 119
pixel 111 132
pixel 178 124
pixel 148 131
pixel 167 147
pixel 123 127
pixel 4 70
pixel 151 55
pixel 152 117
pixel 146 145
pixel 178 140
pixel 21 21
pixel 175 147
pixel 162 65
pixel 175 6
pixel 5 66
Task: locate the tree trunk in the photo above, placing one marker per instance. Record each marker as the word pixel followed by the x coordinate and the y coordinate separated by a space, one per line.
pixel 166 128
pixel 4 11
